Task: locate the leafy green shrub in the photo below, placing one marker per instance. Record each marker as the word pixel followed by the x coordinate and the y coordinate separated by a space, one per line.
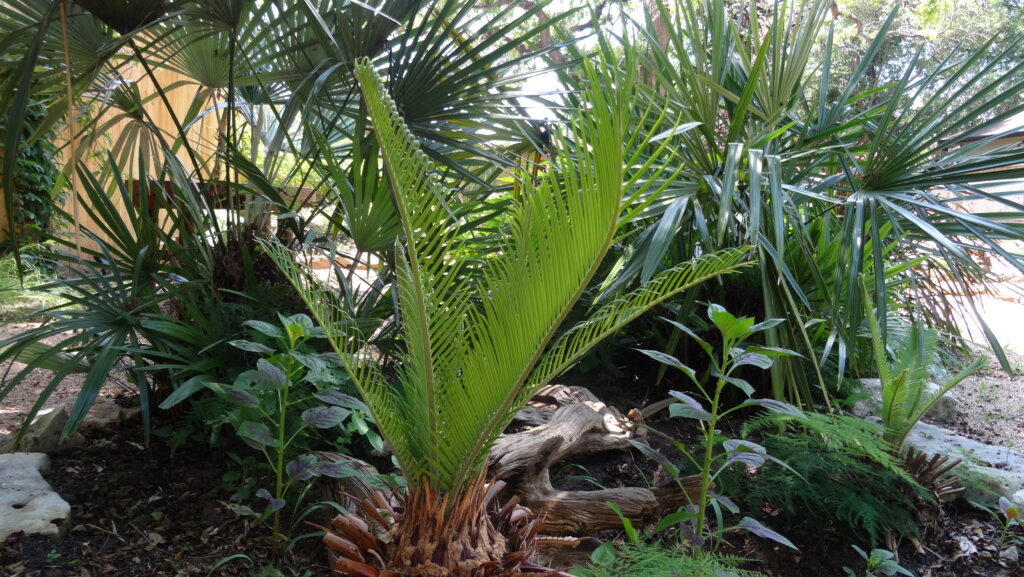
pixel 708 461
pixel 35 179
pixel 847 476
pixel 276 408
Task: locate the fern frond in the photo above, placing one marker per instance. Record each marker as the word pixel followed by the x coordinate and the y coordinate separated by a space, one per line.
pixel 654 560
pixel 838 485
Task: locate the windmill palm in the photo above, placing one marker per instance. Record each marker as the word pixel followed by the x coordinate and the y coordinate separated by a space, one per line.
pixel 828 183
pixel 478 345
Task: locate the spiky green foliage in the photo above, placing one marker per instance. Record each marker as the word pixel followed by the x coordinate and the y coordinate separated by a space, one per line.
pixel 478 344
pixel 654 560
pixel 905 393
pixel 828 183
pixel 848 477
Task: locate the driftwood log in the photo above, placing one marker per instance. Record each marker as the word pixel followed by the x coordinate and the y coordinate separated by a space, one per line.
pixel 577 424
pixel 560 424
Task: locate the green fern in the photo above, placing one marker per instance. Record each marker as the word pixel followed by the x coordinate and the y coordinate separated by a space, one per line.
pixel 853 436
pixel 654 560
pixel 848 479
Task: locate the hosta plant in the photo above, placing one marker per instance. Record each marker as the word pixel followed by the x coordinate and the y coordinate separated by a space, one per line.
pixel 483 327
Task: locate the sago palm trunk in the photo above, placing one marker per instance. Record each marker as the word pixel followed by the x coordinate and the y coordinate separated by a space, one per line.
pixel 435 535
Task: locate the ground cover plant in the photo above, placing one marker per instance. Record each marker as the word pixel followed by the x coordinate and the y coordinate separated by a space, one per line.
pixel 476 251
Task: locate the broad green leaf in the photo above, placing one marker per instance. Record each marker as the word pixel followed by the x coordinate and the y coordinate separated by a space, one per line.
pixel 745 452
pixel 242 397
pixel 671 361
pixel 673 519
pixel 741 358
pixel 604 555
pixel 259 380
pixel 737 382
pixel 656 455
pixel 273 372
pixel 688 407
pixel 184 391
pixel 732 328
pixel 341 400
pixel 301 468
pixel 266 328
pixel 760 530
pixel 257 435
pixel 251 347
pixel 325 417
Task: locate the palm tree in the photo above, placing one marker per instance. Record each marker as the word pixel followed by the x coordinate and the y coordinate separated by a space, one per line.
pixel 483 322
pixel 278 74
pixel 827 183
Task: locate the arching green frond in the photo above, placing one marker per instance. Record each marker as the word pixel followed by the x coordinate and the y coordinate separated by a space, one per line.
pixel 613 316
pixel 468 361
pixel 346 337
pixel 474 340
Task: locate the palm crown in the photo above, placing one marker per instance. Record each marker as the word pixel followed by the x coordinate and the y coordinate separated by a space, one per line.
pixel 479 342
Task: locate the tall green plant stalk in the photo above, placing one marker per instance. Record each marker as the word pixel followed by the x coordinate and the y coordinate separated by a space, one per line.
pixel 736 352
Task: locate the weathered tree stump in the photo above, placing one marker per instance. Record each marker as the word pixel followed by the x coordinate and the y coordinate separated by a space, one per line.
pixel 580 426
pixel 567 423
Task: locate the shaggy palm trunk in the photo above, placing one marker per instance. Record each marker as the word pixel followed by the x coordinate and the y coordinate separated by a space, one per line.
pixel 440 538
pixel 453 534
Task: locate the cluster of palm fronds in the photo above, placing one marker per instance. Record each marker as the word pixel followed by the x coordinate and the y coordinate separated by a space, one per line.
pixel 682 138
pixel 830 185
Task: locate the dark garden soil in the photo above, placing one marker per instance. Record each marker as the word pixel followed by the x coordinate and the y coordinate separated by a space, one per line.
pixel 138 512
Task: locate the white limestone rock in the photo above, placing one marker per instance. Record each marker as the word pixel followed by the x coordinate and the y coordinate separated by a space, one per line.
pixel 27 502
pixel 43 435
pixel 986 469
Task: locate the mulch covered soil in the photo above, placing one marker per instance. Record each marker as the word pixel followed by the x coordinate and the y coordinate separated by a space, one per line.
pixel 139 512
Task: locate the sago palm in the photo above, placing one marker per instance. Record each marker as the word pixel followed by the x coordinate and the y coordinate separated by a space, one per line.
pixel 483 324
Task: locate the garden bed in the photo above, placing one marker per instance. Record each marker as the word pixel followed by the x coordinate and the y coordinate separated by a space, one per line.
pixel 142 512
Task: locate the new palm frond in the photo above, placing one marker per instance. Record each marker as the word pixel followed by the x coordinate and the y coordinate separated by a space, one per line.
pixel 906 396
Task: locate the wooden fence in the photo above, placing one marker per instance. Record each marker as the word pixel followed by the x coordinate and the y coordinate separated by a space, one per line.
pixel 117 133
